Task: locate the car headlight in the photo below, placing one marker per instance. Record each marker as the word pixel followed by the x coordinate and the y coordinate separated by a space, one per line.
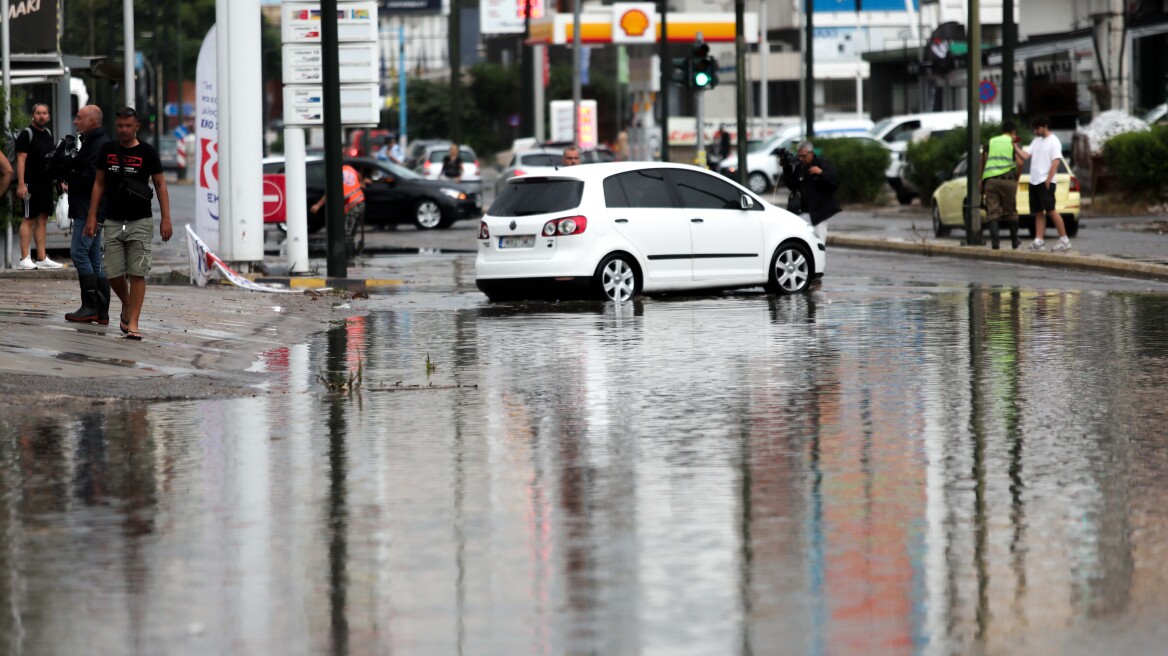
pixel 454 193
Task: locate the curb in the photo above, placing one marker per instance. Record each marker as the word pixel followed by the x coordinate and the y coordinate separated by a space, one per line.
pixel 1072 260
pixel 346 284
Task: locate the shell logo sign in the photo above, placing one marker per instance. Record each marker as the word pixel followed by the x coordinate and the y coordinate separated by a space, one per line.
pixel 635 22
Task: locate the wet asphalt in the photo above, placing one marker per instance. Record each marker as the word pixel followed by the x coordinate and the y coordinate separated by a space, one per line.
pixel 921 455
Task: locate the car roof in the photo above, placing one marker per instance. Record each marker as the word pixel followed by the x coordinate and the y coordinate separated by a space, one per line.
pixel 600 171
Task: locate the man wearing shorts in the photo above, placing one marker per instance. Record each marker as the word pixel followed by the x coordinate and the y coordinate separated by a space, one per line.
pixel 1046 152
pixel 129 226
pixel 34 186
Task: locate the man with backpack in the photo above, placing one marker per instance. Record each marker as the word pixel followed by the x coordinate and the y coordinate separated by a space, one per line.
pixel 34 186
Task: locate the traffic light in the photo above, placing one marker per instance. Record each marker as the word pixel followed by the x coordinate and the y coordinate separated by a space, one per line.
pixel 703 69
pixel 681 74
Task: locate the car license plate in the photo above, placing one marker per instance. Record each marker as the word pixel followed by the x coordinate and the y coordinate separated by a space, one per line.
pixel 520 241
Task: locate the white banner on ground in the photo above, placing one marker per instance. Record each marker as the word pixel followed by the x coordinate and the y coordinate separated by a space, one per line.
pixel 204 264
pixel 207 140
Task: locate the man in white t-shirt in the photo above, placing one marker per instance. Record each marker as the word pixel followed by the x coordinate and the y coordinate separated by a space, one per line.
pixel 1045 154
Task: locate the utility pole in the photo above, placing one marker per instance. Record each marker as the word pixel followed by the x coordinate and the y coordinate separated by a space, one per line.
pixel 1009 43
pixel 455 72
pixel 577 92
pixel 527 75
pixel 663 101
pixel 973 151
pixel 156 83
pixel 809 63
pixel 740 80
pixel 338 255
pixel 128 50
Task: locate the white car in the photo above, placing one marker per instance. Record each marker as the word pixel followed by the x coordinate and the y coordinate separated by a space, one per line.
pixel 611 231
pixel 763 167
pixel 430 164
pixel 531 162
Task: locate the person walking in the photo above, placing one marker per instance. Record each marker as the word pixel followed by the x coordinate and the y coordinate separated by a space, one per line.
pixel 816 182
pixel 452 165
pixel 1000 163
pixel 125 167
pixel 86 251
pixel 35 187
pixel 1046 152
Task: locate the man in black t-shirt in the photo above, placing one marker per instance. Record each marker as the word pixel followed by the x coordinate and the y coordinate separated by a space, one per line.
pixel 34 186
pixel 124 167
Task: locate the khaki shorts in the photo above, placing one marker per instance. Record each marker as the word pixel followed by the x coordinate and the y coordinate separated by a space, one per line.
pixel 127 247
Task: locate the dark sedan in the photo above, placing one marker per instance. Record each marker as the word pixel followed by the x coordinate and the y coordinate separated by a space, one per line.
pixel 393 195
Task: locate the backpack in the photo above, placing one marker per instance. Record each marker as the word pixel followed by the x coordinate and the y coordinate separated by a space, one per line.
pixel 10 145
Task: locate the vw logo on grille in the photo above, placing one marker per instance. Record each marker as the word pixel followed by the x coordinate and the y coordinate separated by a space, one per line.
pixel 513 224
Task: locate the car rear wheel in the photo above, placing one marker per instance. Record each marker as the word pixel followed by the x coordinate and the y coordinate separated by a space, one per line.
pixel 757 182
pixel 790 270
pixel 427 215
pixel 1071 223
pixel 615 279
pixel 939 229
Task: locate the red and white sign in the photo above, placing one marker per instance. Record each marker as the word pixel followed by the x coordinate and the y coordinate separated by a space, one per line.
pixel 274 194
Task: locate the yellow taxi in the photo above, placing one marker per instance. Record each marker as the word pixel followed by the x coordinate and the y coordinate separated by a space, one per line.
pixel 949 198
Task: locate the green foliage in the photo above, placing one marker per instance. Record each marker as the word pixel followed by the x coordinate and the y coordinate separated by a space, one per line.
pixel 20 118
pixel 860 165
pixel 488 100
pixel 939 154
pixel 1139 161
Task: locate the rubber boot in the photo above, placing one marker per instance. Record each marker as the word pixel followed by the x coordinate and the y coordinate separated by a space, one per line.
pixel 103 288
pixel 995 243
pixel 90 300
pixel 1014 241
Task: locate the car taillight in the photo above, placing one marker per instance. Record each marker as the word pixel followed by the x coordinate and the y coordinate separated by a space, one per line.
pixel 572 225
pixel 484 233
pixel 353 152
pixel 518 172
pixel 426 167
pixel 1074 183
pixel 476 163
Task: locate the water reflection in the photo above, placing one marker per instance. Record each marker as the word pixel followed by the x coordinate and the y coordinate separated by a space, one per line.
pixel 941 472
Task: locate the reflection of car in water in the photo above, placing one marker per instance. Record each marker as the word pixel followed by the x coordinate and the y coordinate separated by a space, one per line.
pixel 613 231
pixel 393 194
pixel 949 199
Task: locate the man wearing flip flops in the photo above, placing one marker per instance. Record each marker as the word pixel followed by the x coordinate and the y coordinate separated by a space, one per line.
pixel 124 167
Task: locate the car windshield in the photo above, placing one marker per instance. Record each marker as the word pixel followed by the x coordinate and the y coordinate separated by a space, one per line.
pixel 400 172
pixel 524 197
pixel 764 146
pixel 467 156
pixel 880 128
pixel 540 159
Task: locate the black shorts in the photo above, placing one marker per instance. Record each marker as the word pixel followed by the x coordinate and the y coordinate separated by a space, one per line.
pixel 40 200
pixel 1041 198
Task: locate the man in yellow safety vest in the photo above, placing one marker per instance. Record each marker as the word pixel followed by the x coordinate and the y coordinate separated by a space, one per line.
pixel 1000 164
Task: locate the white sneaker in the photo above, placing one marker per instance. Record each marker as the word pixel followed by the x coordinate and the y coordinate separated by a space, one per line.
pixel 1037 246
pixel 48 264
pixel 26 264
pixel 1062 247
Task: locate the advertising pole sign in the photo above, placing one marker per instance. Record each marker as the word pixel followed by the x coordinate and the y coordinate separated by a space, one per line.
pixel 359 64
pixel 207 143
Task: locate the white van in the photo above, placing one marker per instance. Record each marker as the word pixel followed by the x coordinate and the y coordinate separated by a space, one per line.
pixel 897 131
pixel 763 167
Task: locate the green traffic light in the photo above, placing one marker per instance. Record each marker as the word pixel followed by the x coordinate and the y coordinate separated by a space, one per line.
pixel 701 79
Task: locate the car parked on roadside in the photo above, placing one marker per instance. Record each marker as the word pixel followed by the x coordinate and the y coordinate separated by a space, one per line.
pixel 949 200
pixel 763 167
pixel 393 194
pixel 430 164
pixel 612 231
pixel 418 148
pixel 541 161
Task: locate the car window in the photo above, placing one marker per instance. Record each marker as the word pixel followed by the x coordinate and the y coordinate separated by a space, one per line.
pixel 273 167
pixel 903 132
pixel 701 191
pixel 959 170
pixel 314 174
pixel 604 156
pixel 614 194
pixel 541 159
pixel 527 196
pixel 646 188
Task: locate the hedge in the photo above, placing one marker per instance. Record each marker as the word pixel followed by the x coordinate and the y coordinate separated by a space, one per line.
pixel 925 159
pixel 1139 161
pixel 860 165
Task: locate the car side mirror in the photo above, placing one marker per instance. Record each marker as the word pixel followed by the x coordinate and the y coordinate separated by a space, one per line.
pixel 746 202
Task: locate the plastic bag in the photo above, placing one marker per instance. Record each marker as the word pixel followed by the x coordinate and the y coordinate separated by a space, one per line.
pixel 63 220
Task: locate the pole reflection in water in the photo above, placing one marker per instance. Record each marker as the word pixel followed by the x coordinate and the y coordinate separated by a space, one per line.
pixel 337 405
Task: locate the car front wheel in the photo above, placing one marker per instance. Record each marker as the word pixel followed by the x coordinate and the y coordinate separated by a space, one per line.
pixel 427 215
pixel 615 279
pixel 790 270
pixel 939 229
pixel 757 182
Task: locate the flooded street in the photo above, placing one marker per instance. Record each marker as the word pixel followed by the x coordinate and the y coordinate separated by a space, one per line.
pixel 883 466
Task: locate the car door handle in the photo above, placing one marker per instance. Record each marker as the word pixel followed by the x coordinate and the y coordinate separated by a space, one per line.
pixel 696 221
pixel 621 221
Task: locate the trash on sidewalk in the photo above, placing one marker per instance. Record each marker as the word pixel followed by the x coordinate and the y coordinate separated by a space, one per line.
pixel 204 265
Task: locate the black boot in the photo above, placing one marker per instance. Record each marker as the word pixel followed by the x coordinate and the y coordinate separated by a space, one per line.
pixel 103 288
pixel 994 242
pixel 90 300
pixel 1014 241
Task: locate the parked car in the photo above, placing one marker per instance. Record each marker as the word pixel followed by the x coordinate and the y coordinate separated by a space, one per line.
pixel 612 231
pixel 364 143
pixel 949 200
pixel 542 161
pixel 897 131
pixel 393 194
pixel 430 165
pixel 764 167
pixel 418 148
pixel 168 153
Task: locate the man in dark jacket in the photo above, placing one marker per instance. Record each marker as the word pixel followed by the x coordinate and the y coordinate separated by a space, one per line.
pixel 816 182
pixel 86 251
